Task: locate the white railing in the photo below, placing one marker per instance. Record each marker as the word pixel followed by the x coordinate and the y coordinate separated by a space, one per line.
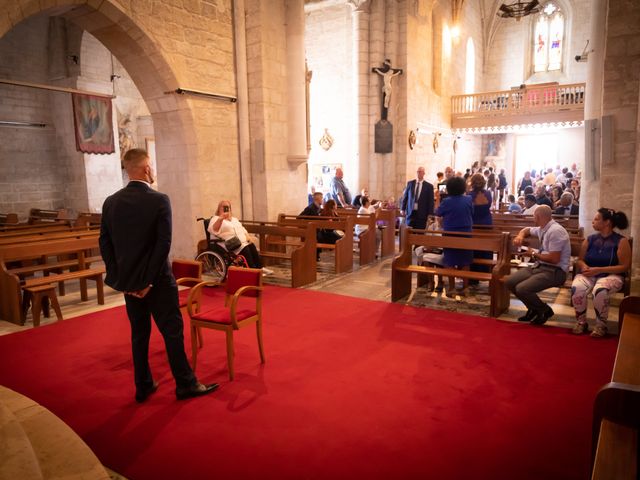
pixel 527 100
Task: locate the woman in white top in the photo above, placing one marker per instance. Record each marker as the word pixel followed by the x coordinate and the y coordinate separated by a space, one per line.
pixel 225 226
pixel 367 209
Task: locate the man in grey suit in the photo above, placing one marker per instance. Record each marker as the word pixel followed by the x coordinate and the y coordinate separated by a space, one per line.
pixel 135 238
pixel 417 201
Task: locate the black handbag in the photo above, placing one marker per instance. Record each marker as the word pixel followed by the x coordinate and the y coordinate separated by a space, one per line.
pixel 232 243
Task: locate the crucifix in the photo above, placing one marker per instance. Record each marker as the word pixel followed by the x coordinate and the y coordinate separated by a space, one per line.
pixel 387 73
pixel 384 129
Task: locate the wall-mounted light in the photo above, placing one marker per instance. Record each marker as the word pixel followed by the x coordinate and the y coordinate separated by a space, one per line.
pixel 455 34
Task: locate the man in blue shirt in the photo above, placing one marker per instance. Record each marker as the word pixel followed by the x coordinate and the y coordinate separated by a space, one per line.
pixel 339 191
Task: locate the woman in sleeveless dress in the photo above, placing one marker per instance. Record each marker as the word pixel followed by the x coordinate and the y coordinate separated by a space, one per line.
pixel 604 258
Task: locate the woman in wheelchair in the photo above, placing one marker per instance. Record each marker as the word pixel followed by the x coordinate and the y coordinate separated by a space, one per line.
pixel 236 239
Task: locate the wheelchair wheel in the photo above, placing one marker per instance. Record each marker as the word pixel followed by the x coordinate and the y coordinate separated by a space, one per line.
pixel 213 265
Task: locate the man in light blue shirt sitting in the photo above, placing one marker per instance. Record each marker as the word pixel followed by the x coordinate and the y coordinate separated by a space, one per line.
pixel 550 267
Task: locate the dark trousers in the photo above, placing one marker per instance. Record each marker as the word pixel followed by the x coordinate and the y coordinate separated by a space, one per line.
pixel 526 282
pixel 415 220
pixel 162 303
pixel 251 255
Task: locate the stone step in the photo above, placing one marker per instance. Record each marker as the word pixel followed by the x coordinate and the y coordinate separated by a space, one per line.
pixel 18 460
pixel 59 452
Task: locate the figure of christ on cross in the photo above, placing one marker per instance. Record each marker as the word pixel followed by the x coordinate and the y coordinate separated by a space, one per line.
pixel 387 73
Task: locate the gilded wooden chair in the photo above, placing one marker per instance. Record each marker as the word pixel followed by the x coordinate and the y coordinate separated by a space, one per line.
pixel 242 307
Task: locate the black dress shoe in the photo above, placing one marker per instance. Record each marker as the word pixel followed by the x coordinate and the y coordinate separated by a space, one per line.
pixel 541 318
pixel 527 316
pixel 142 395
pixel 195 390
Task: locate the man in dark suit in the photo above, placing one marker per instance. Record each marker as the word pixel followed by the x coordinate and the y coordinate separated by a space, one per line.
pixel 313 209
pixel 567 207
pixel 417 201
pixel 135 238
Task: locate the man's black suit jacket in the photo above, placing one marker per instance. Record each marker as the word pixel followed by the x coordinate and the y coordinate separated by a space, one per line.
pixel 135 238
pixel 575 210
pixel 310 210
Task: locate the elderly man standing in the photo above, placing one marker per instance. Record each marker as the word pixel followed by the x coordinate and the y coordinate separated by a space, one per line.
pixel 550 268
pixel 339 191
pixel 417 201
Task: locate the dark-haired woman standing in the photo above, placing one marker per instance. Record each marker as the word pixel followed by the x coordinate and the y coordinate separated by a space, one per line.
pixel 604 258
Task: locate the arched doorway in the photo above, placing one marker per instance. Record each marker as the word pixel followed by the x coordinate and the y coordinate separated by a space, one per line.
pixel 180 155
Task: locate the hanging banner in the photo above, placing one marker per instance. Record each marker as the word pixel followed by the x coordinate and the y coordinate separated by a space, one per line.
pixel 93 123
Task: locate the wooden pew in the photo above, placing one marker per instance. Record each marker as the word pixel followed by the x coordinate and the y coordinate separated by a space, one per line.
pixel 294 243
pixel 402 267
pixel 87 219
pixel 40 215
pixel 616 410
pixel 388 243
pixel 11 283
pixel 367 239
pixel 8 218
pixel 343 248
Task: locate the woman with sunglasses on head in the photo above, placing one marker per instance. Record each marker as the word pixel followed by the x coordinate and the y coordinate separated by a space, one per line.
pixel 604 259
pixel 225 226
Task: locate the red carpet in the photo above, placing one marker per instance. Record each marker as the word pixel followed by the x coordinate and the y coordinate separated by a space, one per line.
pixel 351 389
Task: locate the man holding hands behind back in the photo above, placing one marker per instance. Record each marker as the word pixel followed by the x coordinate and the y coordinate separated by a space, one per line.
pixel 135 238
pixel 417 201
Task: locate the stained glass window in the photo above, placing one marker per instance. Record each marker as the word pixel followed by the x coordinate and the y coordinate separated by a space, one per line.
pixel 548 38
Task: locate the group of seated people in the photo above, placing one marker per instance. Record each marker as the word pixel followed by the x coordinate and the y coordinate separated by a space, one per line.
pixel 559 189
pixel 603 260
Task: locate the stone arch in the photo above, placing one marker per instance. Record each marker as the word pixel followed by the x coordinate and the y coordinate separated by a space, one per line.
pixel 173 116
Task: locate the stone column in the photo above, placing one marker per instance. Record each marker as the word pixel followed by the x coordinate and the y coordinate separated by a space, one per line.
pixel 242 85
pixel 590 185
pixel 296 84
pixel 360 39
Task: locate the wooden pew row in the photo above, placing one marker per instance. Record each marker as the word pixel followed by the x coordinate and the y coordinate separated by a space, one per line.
pixel 616 410
pixel 387 223
pixel 11 284
pixel 367 239
pixel 343 248
pixel 296 244
pixel 44 235
pixel 8 218
pixel 498 243
pixel 41 215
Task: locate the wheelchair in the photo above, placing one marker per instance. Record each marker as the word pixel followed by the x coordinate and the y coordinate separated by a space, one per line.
pixel 216 260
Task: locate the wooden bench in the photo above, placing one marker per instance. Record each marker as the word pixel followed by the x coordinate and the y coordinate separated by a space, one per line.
pixel 616 411
pixel 386 220
pixel 402 267
pixel 41 215
pixel 8 218
pixel 11 283
pixel 343 248
pixel 296 244
pixel 366 240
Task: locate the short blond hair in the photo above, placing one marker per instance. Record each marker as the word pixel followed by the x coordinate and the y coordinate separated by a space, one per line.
pixel 134 158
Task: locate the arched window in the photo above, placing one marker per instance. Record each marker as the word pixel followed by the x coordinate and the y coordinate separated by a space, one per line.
pixel 548 39
pixel 470 70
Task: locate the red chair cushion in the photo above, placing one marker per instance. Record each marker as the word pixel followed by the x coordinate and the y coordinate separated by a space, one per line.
pixel 222 315
pixel 183 296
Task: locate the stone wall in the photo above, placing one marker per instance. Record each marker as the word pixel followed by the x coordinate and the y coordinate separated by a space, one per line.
pixel 328 47
pixel 30 174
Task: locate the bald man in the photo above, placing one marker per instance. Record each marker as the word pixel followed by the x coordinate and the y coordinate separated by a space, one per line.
pixel 339 191
pixel 550 267
pixel 417 201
